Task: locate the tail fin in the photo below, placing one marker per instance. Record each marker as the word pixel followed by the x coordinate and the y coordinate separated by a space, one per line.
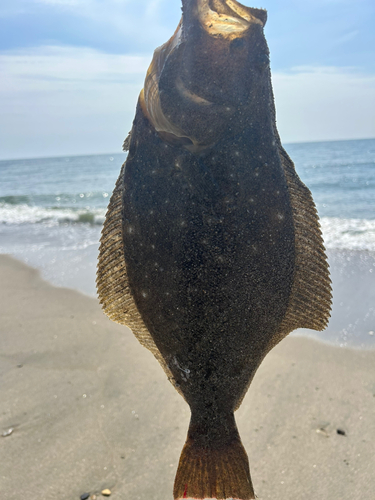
pixel 213 465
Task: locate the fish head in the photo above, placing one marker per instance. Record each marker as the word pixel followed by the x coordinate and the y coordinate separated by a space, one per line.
pixel 211 76
pixel 225 50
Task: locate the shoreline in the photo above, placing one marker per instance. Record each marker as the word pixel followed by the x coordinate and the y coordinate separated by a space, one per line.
pixel 90 408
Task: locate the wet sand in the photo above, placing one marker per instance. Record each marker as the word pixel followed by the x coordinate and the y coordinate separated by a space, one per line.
pixel 86 407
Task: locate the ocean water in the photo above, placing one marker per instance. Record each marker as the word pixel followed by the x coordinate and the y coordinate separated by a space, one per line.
pixel 52 210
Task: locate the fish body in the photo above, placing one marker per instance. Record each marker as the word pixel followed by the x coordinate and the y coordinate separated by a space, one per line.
pixel 211 250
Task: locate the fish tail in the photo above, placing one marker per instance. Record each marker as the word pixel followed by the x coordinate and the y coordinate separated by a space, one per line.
pixel 213 463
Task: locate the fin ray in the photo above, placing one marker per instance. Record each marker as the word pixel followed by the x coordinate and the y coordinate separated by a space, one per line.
pixel 311 297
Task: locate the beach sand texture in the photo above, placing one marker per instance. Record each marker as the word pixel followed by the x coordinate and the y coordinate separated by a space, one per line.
pixel 90 408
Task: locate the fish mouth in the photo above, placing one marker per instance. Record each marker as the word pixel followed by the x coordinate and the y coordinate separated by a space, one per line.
pixel 225 18
pixel 176 97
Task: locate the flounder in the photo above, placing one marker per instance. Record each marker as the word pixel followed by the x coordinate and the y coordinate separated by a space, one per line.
pixel 211 251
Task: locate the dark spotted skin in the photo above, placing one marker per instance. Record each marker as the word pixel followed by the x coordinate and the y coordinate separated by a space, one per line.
pixel 209 251
pixel 220 239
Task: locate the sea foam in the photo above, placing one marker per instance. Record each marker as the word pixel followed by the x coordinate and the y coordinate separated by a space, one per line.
pixel 26 214
pixel 351 234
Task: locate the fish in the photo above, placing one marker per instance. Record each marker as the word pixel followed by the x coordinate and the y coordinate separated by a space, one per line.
pixel 211 251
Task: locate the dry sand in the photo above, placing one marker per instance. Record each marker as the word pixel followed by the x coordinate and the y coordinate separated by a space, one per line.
pixel 91 409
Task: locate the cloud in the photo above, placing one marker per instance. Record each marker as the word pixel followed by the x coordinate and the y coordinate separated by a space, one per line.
pixel 111 25
pixel 324 103
pixel 61 100
pixel 61 2
pixel 347 37
pixel 58 100
pixel 54 68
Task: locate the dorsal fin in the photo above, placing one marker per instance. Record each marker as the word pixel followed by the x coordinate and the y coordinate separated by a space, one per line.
pixel 311 297
pixel 112 282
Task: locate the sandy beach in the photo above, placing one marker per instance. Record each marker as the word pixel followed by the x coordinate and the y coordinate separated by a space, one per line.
pixel 84 407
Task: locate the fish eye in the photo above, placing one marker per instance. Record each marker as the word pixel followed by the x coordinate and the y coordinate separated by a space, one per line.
pixel 237 43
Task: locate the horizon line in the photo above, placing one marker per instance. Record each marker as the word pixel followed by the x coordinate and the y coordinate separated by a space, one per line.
pixel 124 152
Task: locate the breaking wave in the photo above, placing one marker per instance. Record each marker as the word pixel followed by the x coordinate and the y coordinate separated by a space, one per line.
pixel 351 234
pixel 16 214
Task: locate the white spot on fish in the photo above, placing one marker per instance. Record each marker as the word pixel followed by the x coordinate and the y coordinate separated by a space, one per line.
pixel 144 294
pixel 130 229
pixel 185 371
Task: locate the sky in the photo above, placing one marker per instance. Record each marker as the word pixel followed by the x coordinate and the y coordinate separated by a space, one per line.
pixel 71 70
